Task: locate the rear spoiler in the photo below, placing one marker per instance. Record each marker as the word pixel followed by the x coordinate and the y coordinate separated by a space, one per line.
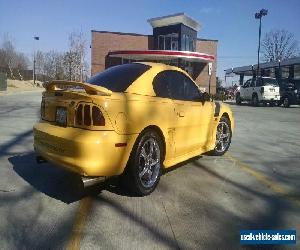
pixel 89 88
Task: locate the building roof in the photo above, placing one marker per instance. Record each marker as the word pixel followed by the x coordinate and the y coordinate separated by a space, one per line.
pixel 162 55
pixel 119 33
pixel 138 34
pixel 174 19
pixel 247 70
pixel 207 40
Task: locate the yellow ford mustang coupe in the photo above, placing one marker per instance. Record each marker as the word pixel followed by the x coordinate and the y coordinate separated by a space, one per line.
pixel 132 120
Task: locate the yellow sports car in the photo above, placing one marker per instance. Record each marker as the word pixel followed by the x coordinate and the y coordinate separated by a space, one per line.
pixel 132 120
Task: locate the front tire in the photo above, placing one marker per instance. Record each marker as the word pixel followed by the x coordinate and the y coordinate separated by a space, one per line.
pixel 223 137
pixel 286 102
pixel 145 164
pixel 238 100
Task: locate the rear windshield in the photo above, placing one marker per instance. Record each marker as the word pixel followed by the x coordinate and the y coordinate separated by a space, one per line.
pixel 119 78
pixel 269 81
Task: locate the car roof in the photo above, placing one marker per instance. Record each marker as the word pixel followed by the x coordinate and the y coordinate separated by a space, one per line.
pixel 162 66
pixel 143 85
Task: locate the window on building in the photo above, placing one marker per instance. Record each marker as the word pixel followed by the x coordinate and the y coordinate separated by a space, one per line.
pixel 168 42
pixel 297 71
pixel 187 43
pixel 161 42
pixel 187 66
pixel 272 73
pixel 285 71
pixel 183 39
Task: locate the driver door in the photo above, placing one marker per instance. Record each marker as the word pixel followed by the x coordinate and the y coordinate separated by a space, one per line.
pixel 244 90
pixel 250 89
pixel 192 122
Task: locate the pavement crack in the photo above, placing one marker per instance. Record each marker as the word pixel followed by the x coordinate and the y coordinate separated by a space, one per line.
pixel 169 221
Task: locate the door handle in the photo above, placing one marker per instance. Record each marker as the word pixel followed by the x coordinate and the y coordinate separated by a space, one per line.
pixel 180 114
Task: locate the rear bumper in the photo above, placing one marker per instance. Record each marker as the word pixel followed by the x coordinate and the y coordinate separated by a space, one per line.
pixel 88 153
pixel 267 98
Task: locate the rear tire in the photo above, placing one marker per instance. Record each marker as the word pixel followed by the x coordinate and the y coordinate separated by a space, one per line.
pixel 255 100
pixel 145 163
pixel 286 102
pixel 238 100
pixel 223 137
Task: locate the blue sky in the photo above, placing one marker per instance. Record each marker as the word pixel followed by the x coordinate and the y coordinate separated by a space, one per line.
pixel 230 22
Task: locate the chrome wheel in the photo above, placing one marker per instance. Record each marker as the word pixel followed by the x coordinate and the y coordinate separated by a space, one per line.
pixel 149 163
pixel 223 137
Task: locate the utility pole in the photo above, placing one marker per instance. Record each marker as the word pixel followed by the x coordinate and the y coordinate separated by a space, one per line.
pixel 36 38
pixel 259 15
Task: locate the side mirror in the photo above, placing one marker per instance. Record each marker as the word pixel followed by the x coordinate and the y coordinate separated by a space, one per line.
pixel 205 97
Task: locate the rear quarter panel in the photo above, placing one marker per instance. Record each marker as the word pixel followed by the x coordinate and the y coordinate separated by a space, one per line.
pixel 132 113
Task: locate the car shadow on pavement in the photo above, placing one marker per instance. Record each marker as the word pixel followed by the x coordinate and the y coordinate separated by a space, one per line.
pixel 63 185
pixel 48 179
pixel 114 185
pixel 58 183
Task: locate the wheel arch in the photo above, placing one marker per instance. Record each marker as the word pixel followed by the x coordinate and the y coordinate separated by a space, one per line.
pixel 148 128
pixel 225 114
pixel 159 132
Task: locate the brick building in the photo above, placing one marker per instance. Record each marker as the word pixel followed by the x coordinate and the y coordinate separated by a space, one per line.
pixel 170 33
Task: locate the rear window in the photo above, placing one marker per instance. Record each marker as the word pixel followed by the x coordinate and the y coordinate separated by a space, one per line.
pixel 119 78
pixel 268 81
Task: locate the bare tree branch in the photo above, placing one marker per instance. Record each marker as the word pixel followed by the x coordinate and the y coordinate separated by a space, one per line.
pixel 77 44
pixel 11 59
pixel 279 45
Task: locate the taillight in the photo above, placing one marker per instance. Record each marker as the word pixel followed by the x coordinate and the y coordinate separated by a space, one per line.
pixel 262 90
pixel 98 119
pixel 79 115
pixel 87 115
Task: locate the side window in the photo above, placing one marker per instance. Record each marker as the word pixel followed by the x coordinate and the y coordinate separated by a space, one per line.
pixel 181 87
pixel 161 85
pixel 190 89
pixel 259 82
pixel 176 85
pixel 252 84
pixel 246 84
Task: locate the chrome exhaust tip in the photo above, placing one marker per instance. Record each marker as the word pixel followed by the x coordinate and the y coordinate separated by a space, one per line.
pixel 91 181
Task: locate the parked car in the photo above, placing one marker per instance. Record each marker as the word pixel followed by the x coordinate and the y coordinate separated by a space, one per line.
pixel 290 93
pixel 259 90
pixel 132 120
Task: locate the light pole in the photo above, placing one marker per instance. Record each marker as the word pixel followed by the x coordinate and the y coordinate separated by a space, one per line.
pixel 33 71
pixel 259 15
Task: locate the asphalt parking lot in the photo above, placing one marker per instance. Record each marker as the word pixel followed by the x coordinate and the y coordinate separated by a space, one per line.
pixel 201 204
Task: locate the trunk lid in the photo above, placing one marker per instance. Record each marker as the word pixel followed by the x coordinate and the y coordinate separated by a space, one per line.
pixel 61 100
